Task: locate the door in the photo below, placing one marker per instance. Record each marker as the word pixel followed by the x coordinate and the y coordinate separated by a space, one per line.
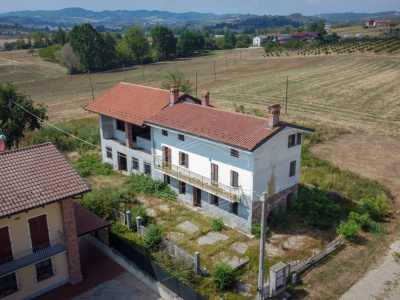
pixel 5 246
pixel 167 157
pixel 39 233
pixel 122 162
pixel 214 174
pixel 196 197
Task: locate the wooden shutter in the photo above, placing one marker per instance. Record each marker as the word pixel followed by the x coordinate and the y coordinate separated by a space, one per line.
pixel 5 245
pixel 299 139
pixel 180 158
pixel 186 160
pixel 234 178
pixel 39 232
pixel 214 172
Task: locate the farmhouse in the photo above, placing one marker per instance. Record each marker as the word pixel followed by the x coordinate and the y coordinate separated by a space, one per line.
pixel 261 39
pixel 377 23
pixel 38 229
pixel 218 161
pixel 282 38
pixel 304 36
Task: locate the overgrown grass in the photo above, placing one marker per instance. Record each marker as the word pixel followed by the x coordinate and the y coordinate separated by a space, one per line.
pixel 93 165
pixel 86 129
pixel 150 187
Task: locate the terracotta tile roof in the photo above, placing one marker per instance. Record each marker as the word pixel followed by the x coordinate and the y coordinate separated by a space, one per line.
pixel 35 176
pixel 86 221
pixel 130 102
pixel 240 130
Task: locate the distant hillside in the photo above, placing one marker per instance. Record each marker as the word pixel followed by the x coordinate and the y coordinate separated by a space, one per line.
pixel 80 15
pixel 357 17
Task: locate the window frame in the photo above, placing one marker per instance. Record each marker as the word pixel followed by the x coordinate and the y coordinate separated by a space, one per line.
pixel 121 157
pixel 234 179
pixel 181 137
pixel 181 187
pixel 164 132
pixel 14 284
pixel 109 153
pixel 291 140
pixel 135 164
pixel 298 138
pixel 292 168
pixel 234 153
pixel 50 269
pixel 234 208
pixel 120 125
pixel 146 166
pixel 183 159
pixel 214 200
pixel 167 179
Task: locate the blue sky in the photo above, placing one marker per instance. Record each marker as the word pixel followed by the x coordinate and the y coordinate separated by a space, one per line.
pixel 258 7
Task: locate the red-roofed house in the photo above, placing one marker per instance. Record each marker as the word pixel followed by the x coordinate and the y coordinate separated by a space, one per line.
pixel 216 160
pixel 381 23
pixel 304 36
pixel 38 229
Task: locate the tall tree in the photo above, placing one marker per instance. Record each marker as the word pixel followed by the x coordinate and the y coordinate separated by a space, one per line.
pixel 176 77
pixel 16 121
pixel 190 42
pixel 59 37
pixel 164 41
pixel 137 43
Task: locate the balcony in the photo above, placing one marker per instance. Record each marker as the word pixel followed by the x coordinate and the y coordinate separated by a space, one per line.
pixel 33 255
pixel 216 188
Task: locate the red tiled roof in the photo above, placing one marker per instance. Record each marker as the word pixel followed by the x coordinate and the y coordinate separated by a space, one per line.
pixel 382 21
pixel 86 221
pixel 130 102
pixel 235 129
pixel 36 176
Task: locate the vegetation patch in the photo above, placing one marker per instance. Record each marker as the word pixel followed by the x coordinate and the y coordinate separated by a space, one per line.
pixel 150 187
pixel 93 165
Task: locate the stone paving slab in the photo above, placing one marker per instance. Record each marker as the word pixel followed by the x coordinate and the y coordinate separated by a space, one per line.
pixel 151 212
pixel 240 247
pixel 188 226
pixel 175 237
pixel 211 238
pixel 294 241
pixel 272 250
pixel 234 261
pixel 164 207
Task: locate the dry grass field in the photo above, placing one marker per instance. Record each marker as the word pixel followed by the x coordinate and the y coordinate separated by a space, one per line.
pixel 357 29
pixel 358 91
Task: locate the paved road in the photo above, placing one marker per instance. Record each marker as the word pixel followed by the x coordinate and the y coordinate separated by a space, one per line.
pixel 122 287
pixel 382 283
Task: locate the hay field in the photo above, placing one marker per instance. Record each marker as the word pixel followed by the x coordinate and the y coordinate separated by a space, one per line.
pixel 353 30
pixel 359 91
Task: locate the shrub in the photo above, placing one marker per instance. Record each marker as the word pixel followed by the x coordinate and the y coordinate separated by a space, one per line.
pixel 223 276
pixel 217 224
pixel 93 165
pixel 256 229
pixel 139 211
pixel 376 208
pixel 143 183
pixel 100 202
pixel 153 237
pixel 349 230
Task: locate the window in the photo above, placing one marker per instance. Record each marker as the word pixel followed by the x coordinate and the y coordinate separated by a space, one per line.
pixel 8 285
pixel 289 199
pixel 182 187
pixel 299 139
pixel 292 171
pixel 44 270
pixel 147 168
pixel 135 164
pixel 164 132
pixel 234 153
pixel 214 174
pixel 291 140
pixel 167 179
pixel 214 200
pixel 234 179
pixel 6 254
pixel 181 137
pixel 234 208
pixel 120 125
pixel 122 162
pixel 109 152
pixel 184 159
pixel 39 232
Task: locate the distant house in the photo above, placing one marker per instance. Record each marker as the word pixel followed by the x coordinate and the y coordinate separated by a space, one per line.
pixel 327 26
pixel 218 161
pixel 38 225
pixel 261 39
pixel 382 23
pixel 369 23
pixel 304 36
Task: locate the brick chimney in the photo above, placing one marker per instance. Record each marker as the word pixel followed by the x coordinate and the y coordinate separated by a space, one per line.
pixel 273 116
pixel 205 98
pixel 174 94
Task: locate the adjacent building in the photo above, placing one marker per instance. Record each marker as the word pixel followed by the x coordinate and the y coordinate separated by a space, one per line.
pixel 218 161
pixel 282 38
pixel 38 231
pixel 377 23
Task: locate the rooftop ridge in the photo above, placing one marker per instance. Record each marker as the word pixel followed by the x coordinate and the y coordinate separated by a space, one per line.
pixel 149 87
pixel 26 148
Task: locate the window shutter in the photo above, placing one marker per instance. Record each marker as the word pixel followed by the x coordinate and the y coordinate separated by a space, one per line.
pixel 299 139
pixel 169 155
pixel 180 158
pixel 234 178
pixel 5 244
pixel 289 141
pixel 214 172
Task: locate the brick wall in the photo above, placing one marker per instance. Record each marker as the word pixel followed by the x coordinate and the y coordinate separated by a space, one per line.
pixel 68 219
pixel 274 200
pixel 128 134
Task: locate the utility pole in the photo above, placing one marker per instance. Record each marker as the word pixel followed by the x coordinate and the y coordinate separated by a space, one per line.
pixel 91 86
pixel 215 75
pixel 261 272
pixel 287 82
pixel 124 71
pixel 196 83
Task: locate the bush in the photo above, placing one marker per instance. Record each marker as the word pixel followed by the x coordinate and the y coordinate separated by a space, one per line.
pixel 367 224
pixel 139 211
pixel 100 202
pixel 223 276
pixel 349 230
pixel 256 229
pixel 217 224
pixel 377 208
pixel 50 52
pixel 93 165
pixel 153 237
pixel 143 183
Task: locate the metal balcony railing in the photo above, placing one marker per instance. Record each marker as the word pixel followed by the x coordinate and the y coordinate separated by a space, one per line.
pixel 216 188
pixel 32 256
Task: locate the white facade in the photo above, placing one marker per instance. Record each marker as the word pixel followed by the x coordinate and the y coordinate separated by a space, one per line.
pixel 258 40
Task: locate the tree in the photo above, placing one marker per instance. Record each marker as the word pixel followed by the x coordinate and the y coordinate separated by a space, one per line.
pixel 137 43
pixel 176 77
pixel 69 59
pixel 164 41
pixel 108 52
pixel 31 50
pixel 190 42
pixel 38 41
pixel 59 37
pixel 15 124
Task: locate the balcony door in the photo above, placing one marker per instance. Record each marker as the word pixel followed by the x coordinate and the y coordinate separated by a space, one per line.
pixel 167 157
pixel 5 246
pixel 196 197
pixel 39 233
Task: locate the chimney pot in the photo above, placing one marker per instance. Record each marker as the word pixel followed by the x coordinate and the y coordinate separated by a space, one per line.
pixel 174 94
pixel 205 98
pixel 274 112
